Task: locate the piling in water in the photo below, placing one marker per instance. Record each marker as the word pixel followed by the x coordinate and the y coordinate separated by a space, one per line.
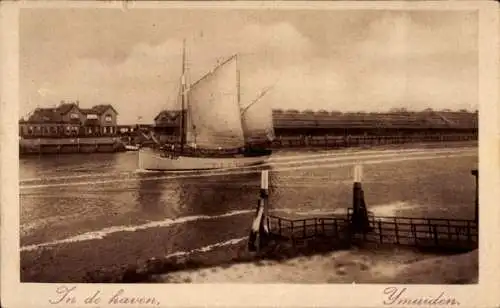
pixel 359 218
pixel 259 232
pixel 475 172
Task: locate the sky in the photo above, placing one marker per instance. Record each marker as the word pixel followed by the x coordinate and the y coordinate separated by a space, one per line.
pixel 344 60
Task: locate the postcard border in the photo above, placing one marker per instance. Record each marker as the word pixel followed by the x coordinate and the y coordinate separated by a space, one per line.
pixel 484 294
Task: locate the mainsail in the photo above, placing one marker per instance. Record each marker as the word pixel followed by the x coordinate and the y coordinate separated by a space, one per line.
pixel 214 116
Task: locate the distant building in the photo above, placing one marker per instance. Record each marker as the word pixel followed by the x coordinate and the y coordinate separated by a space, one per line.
pixel 167 125
pixel 310 122
pixel 168 118
pixel 68 119
pixel 100 118
pixel 168 122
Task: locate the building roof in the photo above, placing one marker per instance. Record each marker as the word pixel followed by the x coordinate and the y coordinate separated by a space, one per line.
pixel 51 115
pixel 87 110
pixel 170 115
pixel 41 115
pixel 64 108
pixel 393 119
pixel 55 114
pixel 100 109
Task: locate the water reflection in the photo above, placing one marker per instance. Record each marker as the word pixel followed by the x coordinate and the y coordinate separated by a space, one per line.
pixel 214 208
pixel 218 194
pixel 157 199
pixel 72 164
pixel 203 193
pixel 230 198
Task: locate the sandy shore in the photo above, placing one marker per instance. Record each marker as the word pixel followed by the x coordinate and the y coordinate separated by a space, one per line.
pixel 360 266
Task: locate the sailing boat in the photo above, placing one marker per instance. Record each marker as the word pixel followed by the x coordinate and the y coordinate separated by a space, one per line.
pixel 215 131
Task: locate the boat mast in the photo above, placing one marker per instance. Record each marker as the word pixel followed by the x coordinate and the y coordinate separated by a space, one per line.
pixel 183 97
pixel 239 98
pixel 238 79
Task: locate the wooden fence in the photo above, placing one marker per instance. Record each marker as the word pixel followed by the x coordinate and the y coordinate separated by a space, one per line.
pixel 446 234
pixel 302 229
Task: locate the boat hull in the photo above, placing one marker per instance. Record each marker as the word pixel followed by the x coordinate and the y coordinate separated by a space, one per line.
pixel 151 159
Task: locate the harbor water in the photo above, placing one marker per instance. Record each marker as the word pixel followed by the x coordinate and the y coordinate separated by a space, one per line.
pixel 80 212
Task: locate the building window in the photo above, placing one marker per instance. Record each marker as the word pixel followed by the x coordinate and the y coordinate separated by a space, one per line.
pixel 91 116
pixel 30 130
pixel 108 118
pixel 74 116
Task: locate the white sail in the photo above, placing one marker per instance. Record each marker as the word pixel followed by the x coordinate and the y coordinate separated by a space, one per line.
pixel 258 123
pixel 213 117
pixel 257 120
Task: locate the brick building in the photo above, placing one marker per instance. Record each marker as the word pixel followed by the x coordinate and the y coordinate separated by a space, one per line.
pixel 68 119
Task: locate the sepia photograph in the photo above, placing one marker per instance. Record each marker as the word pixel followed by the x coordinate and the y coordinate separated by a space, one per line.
pixel 231 144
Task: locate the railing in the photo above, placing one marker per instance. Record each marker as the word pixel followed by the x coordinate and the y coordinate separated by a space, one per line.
pixel 423 232
pixel 409 231
pixel 302 229
pixel 420 231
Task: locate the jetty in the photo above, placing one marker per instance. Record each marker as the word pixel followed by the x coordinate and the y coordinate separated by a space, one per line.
pixel 359 226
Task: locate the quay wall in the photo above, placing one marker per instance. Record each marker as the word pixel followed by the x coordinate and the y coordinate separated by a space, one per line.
pixel 69 145
pixel 117 144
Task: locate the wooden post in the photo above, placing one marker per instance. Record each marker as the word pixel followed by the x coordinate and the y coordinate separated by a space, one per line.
pixel 264 195
pixel 413 228
pixel 259 227
pixel 475 173
pixel 359 218
pixel 396 230
pixel 436 240
pixel 254 238
pixel 380 232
